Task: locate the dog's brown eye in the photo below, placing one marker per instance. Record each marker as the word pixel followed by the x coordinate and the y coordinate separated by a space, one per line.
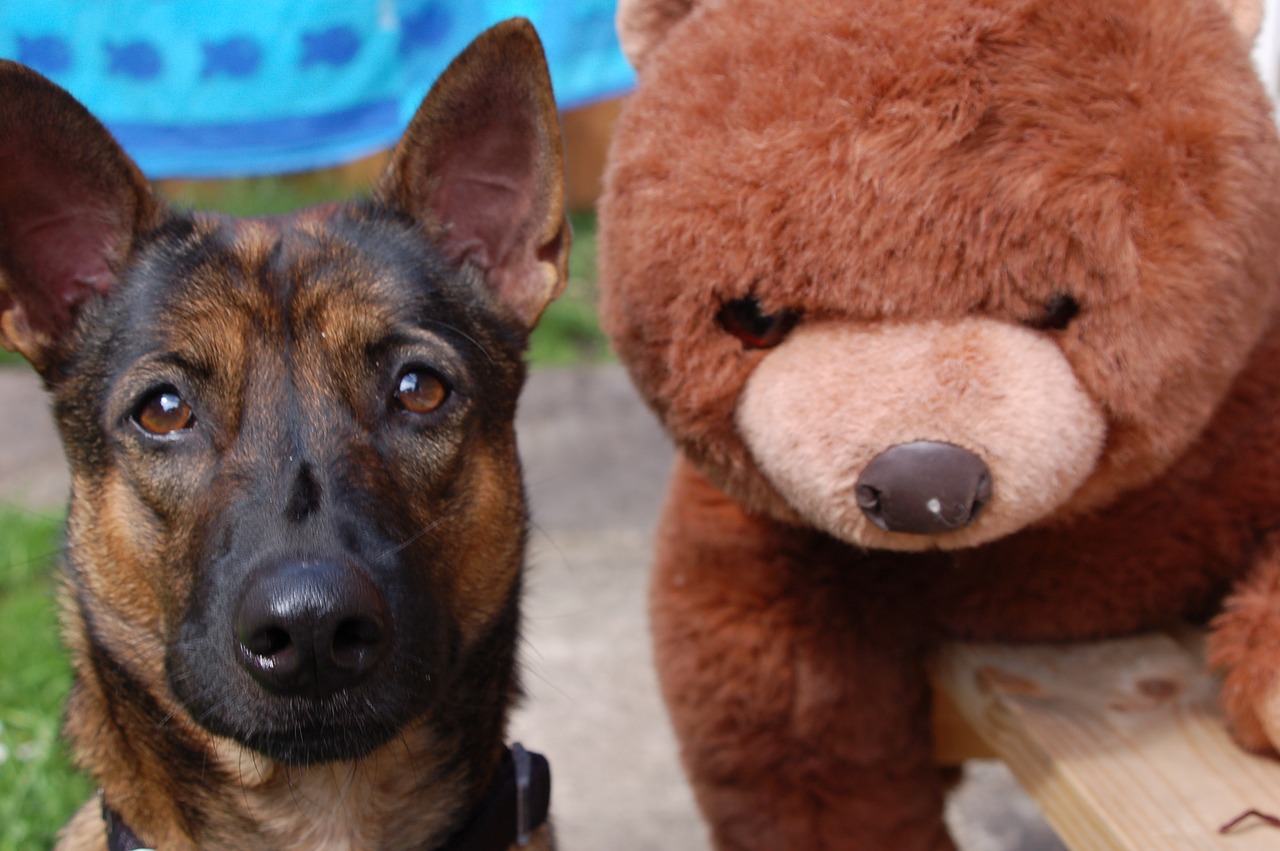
pixel 421 391
pixel 1059 310
pixel 164 413
pixel 757 330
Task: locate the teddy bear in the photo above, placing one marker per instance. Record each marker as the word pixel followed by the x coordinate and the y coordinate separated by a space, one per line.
pixel 962 315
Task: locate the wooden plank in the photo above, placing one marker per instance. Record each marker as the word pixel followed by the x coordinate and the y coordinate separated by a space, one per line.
pixel 954 738
pixel 1120 742
pixel 587 131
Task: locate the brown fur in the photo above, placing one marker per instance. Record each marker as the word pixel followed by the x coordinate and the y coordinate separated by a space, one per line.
pixel 903 177
pixel 287 337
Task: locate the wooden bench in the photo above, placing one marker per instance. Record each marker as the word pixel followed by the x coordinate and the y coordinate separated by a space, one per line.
pixel 1120 742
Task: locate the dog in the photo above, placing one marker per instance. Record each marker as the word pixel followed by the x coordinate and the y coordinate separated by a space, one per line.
pixel 296 528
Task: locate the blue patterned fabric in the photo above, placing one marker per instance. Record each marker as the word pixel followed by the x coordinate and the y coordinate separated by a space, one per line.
pixel 215 88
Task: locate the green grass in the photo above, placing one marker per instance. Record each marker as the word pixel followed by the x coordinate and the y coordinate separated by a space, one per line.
pixel 261 196
pixel 569 332
pixel 38 788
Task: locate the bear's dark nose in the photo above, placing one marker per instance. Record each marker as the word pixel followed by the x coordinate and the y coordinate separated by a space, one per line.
pixel 310 628
pixel 923 488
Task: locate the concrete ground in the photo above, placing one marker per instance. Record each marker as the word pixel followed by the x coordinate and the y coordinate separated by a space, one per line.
pixel 595 464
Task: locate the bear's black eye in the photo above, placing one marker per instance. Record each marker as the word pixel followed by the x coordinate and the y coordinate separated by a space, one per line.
pixel 743 319
pixel 1059 310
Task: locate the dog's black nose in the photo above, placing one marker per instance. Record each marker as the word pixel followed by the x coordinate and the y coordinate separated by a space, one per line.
pixel 310 628
pixel 923 488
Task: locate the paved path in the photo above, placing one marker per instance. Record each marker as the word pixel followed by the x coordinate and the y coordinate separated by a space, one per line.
pixel 595 463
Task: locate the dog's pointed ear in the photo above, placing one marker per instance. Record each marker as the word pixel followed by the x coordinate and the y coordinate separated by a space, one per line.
pixel 481 169
pixel 643 24
pixel 71 206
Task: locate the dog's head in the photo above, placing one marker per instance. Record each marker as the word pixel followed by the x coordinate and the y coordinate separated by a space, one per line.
pixel 296 512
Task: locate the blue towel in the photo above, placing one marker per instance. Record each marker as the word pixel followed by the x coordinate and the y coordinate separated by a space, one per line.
pixel 217 88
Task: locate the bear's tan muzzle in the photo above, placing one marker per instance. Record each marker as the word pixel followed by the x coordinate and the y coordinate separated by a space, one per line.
pixel 916 436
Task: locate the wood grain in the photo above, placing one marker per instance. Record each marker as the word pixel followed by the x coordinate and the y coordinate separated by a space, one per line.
pixel 1120 742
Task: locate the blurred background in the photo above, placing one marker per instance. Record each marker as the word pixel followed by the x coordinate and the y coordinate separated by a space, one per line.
pixel 261 107
pixel 256 107
pixel 234 89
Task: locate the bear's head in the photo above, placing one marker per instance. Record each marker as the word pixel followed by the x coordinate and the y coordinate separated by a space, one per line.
pixel 922 275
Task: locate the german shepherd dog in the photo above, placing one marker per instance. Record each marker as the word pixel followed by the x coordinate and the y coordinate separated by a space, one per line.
pixel 296 528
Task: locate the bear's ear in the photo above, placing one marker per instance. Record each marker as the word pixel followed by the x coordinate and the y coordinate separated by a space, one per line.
pixel 481 169
pixel 1247 16
pixel 72 204
pixel 643 24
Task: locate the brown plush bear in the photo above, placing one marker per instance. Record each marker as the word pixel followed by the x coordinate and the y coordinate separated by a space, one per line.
pixel 962 314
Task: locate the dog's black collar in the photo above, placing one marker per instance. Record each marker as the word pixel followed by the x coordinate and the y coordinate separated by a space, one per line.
pixel 119 836
pixel 517 804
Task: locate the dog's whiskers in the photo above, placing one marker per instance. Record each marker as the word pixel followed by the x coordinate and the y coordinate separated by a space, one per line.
pixel 464 335
pixel 412 539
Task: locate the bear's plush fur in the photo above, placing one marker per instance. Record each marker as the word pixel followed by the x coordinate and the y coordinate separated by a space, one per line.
pixel 962 314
